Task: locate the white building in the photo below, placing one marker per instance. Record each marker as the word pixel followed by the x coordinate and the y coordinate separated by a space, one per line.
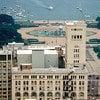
pixel 38 57
pixel 51 58
pixel 24 57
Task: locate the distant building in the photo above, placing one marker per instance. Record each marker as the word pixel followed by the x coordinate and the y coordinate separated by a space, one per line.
pixel 94 87
pixel 15 46
pixel 5 75
pixel 75 43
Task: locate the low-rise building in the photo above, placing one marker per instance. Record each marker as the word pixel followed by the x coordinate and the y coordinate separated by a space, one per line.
pixel 49 84
pixel 94 87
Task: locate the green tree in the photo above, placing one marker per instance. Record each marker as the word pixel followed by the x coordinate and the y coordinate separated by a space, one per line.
pixel 96 49
pixel 98 55
pixel 8 30
pixel 98 19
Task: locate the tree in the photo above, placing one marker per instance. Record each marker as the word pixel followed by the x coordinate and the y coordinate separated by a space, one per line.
pixel 6 19
pixel 98 55
pixel 98 19
pixel 8 31
pixel 96 49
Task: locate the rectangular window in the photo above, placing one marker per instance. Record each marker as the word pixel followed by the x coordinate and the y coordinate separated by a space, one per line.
pixel 56 77
pixel 33 82
pixel 41 77
pixel 76 50
pixel 25 83
pixel 49 77
pixel 76 61
pixel 76 37
pixel 76 29
pixel 25 77
pixel 76 56
pixel 81 77
pixel 80 36
pixel 32 88
pixel 34 76
pixel 79 82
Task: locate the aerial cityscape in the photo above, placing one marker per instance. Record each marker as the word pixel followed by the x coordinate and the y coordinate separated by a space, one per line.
pixel 50 50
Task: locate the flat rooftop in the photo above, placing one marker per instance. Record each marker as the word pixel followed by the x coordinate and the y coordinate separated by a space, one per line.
pixel 50 71
pixel 50 52
pixel 5 52
pixel 24 51
pixel 75 22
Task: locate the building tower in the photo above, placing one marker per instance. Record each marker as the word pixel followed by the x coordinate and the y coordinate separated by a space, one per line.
pixel 76 43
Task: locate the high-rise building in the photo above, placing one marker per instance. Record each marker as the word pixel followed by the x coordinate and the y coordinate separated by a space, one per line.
pixel 75 43
pixel 5 74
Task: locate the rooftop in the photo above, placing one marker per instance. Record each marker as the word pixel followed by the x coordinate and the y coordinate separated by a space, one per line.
pixel 24 51
pixel 50 71
pixel 5 52
pixel 70 23
pixel 50 52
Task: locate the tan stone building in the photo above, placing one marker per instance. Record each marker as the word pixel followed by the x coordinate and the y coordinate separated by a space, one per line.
pixel 5 74
pixel 49 84
pixel 75 43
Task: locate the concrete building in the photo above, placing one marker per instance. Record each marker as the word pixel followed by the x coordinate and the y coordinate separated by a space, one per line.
pixel 49 84
pixel 24 57
pixel 38 57
pixel 75 43
pixel 94 87
pixel 5 75
pixel 15 45
pixel 51 58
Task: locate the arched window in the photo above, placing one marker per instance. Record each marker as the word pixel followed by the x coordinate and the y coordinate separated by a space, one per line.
pixel 33 94
pixel 42 94
pixel 17 94
pixel 57 94
pixel 49 94
pixel 25 94
pixel 73 94
pixel 81 94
